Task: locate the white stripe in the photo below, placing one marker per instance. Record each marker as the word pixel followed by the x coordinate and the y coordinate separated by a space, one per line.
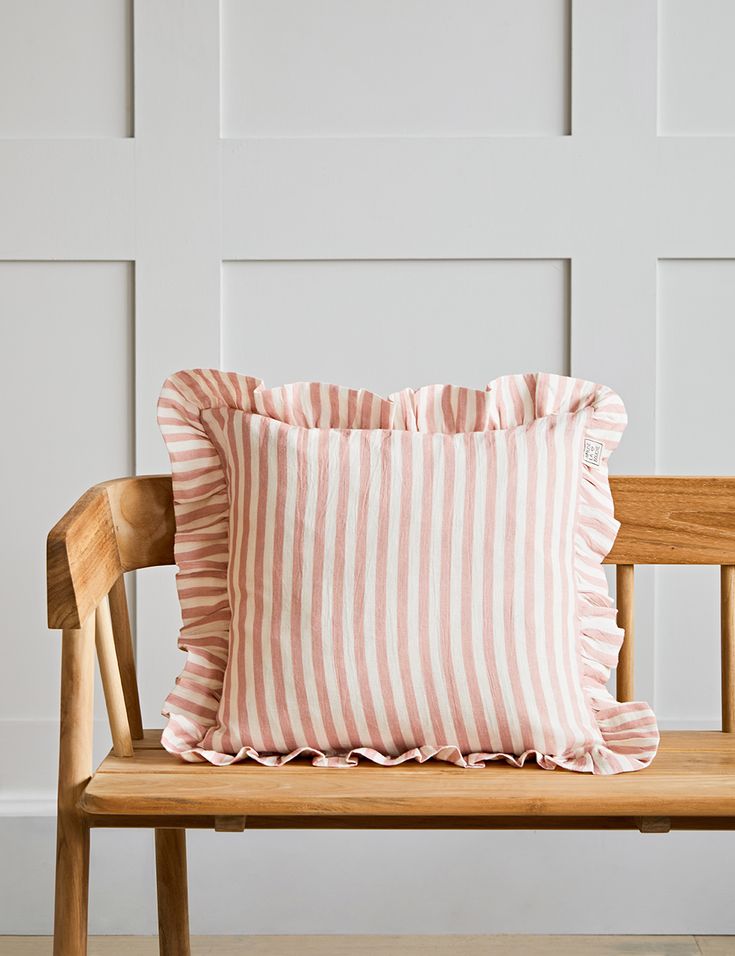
pixel 456 595
pixel 310 518
pixel 395 519
pixel 267 636
pixel 522 648
pixel 418 450
pixel 437 570
pixel 564 641
pixel 373 439
pixel 330 572
pixel 289 526
pixel 480 639
pixel 498 583
pixel 353 678
pixel 554 739
pixel 251 711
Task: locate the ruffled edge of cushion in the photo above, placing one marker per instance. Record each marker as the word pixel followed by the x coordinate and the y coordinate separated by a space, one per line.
pixel 184 738
pixel 629 731
pixel 629 735
pixel 201 506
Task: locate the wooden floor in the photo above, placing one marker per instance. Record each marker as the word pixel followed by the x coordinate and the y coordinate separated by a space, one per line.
pixel 395 946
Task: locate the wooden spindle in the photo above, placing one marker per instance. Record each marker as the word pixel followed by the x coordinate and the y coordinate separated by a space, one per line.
pixel 727 623
pixel 122 744
pixel 625 600
pixel 125 657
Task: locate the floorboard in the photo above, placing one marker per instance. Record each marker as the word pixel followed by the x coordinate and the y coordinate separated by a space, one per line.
pixel 395 946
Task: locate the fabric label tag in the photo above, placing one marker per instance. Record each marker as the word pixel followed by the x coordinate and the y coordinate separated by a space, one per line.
pixel 592 454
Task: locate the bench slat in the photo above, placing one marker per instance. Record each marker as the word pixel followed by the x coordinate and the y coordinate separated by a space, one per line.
pixel 666 519
pixel 693 775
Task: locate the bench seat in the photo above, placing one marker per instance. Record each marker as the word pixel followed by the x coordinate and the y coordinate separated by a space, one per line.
pixel 692 778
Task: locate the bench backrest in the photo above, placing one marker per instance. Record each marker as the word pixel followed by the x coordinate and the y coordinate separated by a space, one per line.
pixel 128 524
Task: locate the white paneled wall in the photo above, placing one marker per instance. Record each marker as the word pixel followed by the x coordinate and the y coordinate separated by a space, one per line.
pixel 376 68
pixel 66 69
pixel 379 194
pixel 394 323
pixel 696 314
pixel 67 387
pixel 696 68
pixel 696 411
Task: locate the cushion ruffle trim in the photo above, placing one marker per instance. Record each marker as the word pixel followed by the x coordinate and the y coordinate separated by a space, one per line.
pixel 630 735
pixel 183 737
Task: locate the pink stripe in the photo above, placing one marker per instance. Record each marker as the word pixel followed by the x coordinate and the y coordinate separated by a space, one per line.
pixel 509 563
pixel 553 584
pixel 402 586
pixel 259 574
pixel 359 598
pixel 240 525
pixel 338 585
pixel 501 717
pixel 460 731
pixel 381 586
pixel 468 654
pixel 297 574
pixel 316 588
pixel 573 453
pixel 278 570
pixel 532 587
pixel 440 734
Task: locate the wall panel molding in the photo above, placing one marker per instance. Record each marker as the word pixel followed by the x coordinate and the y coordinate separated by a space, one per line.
pixel 372 68
pixel 696 68
pixel 70 69
pixel 385 324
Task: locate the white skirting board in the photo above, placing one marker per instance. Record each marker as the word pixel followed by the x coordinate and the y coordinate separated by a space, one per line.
pixel 285 882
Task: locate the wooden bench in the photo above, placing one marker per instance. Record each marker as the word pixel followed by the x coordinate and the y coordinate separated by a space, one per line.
pixel 126 525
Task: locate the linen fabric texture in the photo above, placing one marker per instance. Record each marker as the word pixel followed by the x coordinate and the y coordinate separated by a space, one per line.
pixel 397 579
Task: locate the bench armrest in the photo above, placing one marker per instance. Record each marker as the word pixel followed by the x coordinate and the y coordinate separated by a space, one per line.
pixel 82 560
pixel 87 553
pixel 116 526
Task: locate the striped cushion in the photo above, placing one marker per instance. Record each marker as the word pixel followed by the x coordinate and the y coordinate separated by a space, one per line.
pixel 398 579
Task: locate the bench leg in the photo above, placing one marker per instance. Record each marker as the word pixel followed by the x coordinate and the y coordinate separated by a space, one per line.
pixel 75 767
pixel 173 895
pixel 72 887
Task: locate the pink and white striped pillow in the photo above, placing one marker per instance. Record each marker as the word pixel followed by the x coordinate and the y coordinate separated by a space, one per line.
pixel 401 578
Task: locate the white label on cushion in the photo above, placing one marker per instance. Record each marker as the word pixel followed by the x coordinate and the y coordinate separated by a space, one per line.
pixel 592 454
